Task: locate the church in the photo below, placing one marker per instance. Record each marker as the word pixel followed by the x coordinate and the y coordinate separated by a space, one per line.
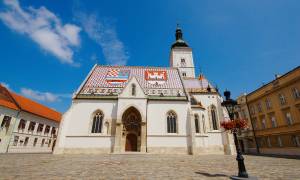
pixel 160 110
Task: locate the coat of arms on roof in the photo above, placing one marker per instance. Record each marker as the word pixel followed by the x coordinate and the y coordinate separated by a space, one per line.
pixel 117 76
pixel 156 77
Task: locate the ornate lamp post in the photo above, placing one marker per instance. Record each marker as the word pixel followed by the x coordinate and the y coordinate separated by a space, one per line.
pixel 230 104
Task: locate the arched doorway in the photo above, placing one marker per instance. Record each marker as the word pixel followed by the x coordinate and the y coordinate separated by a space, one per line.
pixel 131 120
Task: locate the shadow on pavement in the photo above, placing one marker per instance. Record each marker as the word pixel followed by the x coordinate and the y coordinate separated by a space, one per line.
pixel 211 175
pixel 275 156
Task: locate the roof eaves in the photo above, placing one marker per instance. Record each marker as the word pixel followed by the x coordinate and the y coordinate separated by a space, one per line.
pixel 296 68
pixel 12 97
pixel 85 80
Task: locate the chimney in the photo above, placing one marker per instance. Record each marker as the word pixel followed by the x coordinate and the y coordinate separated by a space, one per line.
pixel 277 76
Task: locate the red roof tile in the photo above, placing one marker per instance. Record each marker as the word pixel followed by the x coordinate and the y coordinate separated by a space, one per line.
pixel 98 84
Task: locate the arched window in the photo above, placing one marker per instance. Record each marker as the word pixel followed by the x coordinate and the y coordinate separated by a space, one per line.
pixel 203 124
pixel 133 89
pixel 214 118
pixel 172 122
pixel 97 122
pixel 197 129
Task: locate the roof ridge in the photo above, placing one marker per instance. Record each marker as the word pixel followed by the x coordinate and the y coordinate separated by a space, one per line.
pixel 98 65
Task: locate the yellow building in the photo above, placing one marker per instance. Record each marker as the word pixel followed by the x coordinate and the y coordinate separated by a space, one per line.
pixel 275 114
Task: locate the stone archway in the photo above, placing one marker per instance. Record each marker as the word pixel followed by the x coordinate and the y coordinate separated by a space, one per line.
pixel 131 120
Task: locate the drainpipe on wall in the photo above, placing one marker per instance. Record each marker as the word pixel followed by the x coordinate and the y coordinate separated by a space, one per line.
pixel 253 130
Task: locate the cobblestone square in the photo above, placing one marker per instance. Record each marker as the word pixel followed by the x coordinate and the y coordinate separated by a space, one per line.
pixel 142 166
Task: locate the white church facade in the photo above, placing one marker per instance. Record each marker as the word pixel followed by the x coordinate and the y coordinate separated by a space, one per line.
pixel 167 110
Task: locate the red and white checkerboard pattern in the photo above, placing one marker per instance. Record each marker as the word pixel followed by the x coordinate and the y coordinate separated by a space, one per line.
pixel 97 78
pixel 113 73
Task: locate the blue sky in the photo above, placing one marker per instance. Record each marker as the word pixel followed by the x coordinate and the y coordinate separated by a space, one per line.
pixel 48 47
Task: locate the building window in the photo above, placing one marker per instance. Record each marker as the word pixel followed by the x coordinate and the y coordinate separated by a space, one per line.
pixel 197 123
pixel 182 62
pixel 203 124
pixel 133 90
pixel 259 108
pixel 296 93
pixel 47 130
pixel 40 128
pixel 172 122
pixel 214 118
pixel 26 141
pixel 43 142
pixel 263 124
pixel 31 126
pixel 252 110
pixel 16 140
pixel 97 123
pixel 22 125
pixel 282 99
pixel 288 118
pixel 35 141
pixel 268 103
pixel 295 140
pixel 53 131
pixel 184 74
pixel 6 122
pixel 279 141
pixel 269 142
pixel 49 143
pixel 273 121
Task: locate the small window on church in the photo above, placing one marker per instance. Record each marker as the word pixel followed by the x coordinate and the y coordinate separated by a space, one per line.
pixel 197 123
pixel 182 62
pixel 172 122
pixel 184 74
pixel 214 118
pixel 97 123
pixel 133 90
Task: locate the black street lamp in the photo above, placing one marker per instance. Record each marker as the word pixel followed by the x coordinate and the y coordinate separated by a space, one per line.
pixel 230 104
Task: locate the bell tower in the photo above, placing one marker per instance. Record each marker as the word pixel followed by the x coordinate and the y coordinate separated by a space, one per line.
pixel 181 56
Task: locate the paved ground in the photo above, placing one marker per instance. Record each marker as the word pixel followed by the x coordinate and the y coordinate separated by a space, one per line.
pixel 133 166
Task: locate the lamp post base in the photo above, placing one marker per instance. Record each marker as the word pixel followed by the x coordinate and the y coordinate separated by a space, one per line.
pixel 243 178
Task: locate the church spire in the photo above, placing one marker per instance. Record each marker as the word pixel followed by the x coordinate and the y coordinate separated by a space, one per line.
pixel 178 33
pixel 179 40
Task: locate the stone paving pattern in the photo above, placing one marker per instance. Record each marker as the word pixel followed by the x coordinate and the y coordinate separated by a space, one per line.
pixel 142 166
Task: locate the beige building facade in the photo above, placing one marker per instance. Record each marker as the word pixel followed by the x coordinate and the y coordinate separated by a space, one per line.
pixel 274 110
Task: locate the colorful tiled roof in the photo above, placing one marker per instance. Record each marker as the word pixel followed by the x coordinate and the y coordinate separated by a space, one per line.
pixel 110 80
pixel 17 102
pixel 201 84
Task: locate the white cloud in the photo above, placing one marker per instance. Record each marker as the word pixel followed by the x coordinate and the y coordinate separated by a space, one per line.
pixel 43 96
pixel 105 36
pixel 43 27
